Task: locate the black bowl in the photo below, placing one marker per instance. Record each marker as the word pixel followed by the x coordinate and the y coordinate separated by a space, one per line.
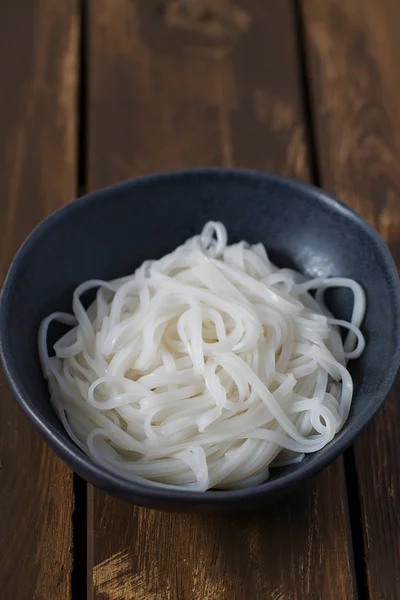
pixel 107 234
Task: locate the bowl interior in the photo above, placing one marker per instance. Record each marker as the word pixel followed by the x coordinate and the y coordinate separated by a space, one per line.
pixel 109 233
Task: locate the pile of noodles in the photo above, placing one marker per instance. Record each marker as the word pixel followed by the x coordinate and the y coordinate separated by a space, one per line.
pixel 205 368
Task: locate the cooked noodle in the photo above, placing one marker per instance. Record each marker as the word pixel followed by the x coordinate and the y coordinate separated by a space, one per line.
pixel 204 368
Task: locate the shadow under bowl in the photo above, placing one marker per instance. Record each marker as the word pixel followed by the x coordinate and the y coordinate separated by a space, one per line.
pixel 108 233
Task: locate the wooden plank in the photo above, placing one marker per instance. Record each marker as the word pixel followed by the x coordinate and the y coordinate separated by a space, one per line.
pixel 38 68
pixel 354 53
pixel 175 86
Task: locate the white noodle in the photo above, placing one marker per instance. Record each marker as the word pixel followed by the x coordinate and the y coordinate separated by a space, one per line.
pixel 204 368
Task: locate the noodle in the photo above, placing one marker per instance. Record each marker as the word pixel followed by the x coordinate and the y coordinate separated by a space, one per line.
pixel 204 368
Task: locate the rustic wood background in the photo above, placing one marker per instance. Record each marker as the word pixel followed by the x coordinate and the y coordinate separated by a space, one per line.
pixel 95 91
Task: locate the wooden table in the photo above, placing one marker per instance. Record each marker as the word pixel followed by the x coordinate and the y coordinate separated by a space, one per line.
pixel 96 91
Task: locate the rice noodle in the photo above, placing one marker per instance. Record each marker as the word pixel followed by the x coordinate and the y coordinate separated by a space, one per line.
pixel 204 368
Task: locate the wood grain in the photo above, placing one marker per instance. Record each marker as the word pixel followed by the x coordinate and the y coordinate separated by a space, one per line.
pixel 174 86
pixel 38 67
pixel 354 54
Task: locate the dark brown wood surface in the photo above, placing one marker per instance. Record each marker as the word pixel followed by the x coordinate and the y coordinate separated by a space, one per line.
pixel 173 86
pixel 38 66
pixel 307 88
pixel 354 57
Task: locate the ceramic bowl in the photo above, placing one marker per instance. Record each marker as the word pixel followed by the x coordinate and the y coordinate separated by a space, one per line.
pixel 108 233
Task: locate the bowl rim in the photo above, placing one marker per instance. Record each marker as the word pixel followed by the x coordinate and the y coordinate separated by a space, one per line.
pixel 84 465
